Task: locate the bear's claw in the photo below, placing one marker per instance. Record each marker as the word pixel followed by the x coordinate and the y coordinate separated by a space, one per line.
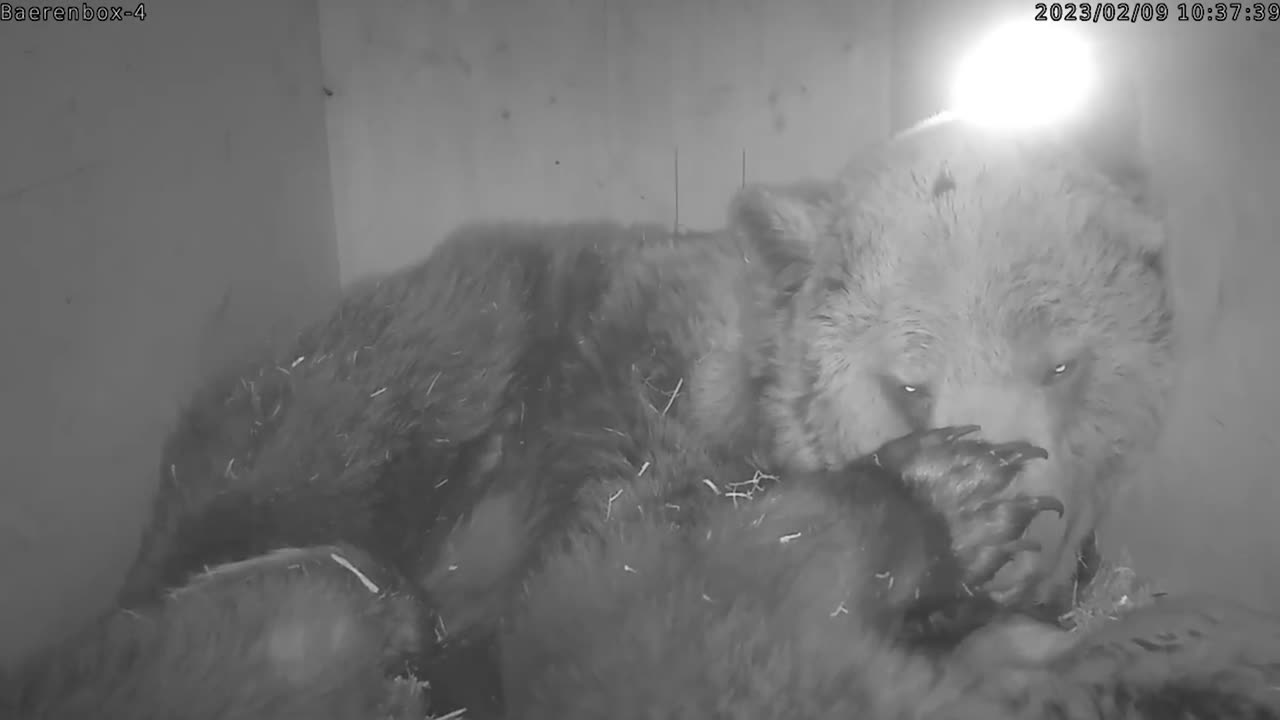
pixel 896 454
pixel 964 479
pixel 1017 453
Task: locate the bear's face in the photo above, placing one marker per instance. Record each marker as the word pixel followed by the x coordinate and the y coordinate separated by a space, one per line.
pixel 964 278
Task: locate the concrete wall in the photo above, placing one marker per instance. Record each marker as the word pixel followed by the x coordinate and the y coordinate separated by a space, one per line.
pixel 444 112
pixel 164 204
pixel 1206 516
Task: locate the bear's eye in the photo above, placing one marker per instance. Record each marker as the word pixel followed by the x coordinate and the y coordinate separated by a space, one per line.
pixel 913 400
pixel 1060 371
pixel 914 392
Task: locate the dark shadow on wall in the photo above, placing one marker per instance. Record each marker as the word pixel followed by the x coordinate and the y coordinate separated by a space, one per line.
pixel 165 205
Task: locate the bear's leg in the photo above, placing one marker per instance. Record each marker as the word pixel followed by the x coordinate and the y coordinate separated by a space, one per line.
pixel 956 485
pixel 966 481
pixel 796 604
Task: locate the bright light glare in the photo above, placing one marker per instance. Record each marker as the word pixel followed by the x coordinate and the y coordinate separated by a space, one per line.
pixel 1024 74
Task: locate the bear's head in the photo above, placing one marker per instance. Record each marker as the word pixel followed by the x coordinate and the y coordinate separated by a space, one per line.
pixel 959 276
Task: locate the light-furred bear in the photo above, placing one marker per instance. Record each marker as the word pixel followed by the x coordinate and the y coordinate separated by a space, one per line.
pixel 313 633
pixel 953 275
pixel 769 619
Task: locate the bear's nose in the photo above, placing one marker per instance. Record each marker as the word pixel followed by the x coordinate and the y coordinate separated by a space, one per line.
pixel 1005 413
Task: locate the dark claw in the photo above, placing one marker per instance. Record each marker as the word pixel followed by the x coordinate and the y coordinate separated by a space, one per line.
pixel 1010 459
pixel 969 482
pixel 990 536
pixel 990 559
pixel 1023 545
pixel 895 454
pixel 1017 453
pixel 949 434
pixel 1044 503
pixel 1018 512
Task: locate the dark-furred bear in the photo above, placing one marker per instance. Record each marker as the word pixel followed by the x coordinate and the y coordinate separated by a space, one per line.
pixel 367 428
pixel 692 589
pixel 788 604
pixel 297 634
pixel 954 275
pixel 682 549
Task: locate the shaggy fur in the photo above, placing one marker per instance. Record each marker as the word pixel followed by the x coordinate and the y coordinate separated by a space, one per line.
pixel 615 460
pixel 672 544
pixel 952 276
pixel 367 428
pixel 690 589
pixel 300 634
pixel 790 605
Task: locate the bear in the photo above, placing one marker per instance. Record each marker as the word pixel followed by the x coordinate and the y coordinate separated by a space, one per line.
pixel 802 337
pixel 365 428
pixel 647 508
pixel 694 589
pixel 325 632
pixel 617 460
pixel 302 633
pixel 953 275
pixel 927 286
pixel 691 588
pixel 276 425
pixel 769 607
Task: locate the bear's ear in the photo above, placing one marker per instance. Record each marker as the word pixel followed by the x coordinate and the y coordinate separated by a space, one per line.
pixel 783 224
pixel 1135 212
pixel 1109 139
